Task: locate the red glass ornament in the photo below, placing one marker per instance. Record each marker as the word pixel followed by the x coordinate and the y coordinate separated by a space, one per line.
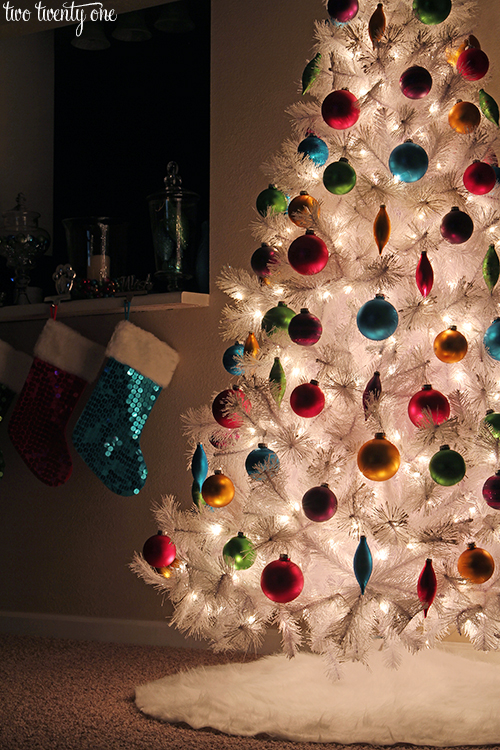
pixel 457 226
pixel 282 580
pixel 307 400
pixel 427 586
pixel 220 406
pixel 424 275
pixel 305 329
pixel 428 406
pixel 308 254
pixel 340 109
pixel 491 491
pixel 159 550
pixel 319 504
pixel 263 260
pixel 479 178
pixel 415 82
pixel 473 64
pixel 372 393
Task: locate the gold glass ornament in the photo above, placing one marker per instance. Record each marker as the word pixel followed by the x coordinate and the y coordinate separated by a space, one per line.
pixel 378 459
pixel 376 25
pixel 464 117
pixel 450 345
pixel 303 210
pixel 169 570
pixel 476 564
pixel 251 345
pixel 382 228
pixel 453 55
pixel 217 490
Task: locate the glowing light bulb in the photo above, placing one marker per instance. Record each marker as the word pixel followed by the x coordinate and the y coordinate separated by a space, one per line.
pixel 296 372
pixel 348 289
pixel 238 295
pixel 284 519
pixel 194 596
pixel 363 152
pixel 492 229
pixel 384 606
pixel 252 430
pixel 235 577
pixel 251 619
pixel 216 529
pixel 439 165
pixel 446 319
pixel 279 290
pixel 382 554
pixel 434 108
pixel 296 507
pixel 326 295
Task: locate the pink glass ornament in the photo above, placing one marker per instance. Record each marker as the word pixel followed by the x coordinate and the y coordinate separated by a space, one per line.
pixel 424 275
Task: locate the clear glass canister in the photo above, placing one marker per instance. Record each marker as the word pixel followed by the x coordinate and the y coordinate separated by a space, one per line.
pixel 173 214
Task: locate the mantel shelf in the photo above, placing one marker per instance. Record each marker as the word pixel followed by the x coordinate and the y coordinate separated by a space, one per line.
pixel 107 306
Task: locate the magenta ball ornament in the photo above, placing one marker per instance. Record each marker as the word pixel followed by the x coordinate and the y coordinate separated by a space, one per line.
pixel 340 109
pixel 428 406
pixel 491 491
pixel 415 82
pixel 264 259
pixel 220 407
pixel 159 550
pixel 308 254
pixel 457 226
pixel 305 328
pixel 479 178
pixel 282 580
pixel 473 64
pixel 319 504
pixel 307 400
pixel 342 11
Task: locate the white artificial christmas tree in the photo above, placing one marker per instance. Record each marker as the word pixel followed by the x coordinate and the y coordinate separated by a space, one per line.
pixel 376 239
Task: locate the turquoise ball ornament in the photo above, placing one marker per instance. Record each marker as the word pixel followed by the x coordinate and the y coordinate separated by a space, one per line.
pixel 432 12
pixel 363 563
pixel 377 319
pixel 491 340
pixel 273 200
pixel 262 463
pixel 447 467
pixel 339 178
pixel 231 359
pixel 277 318
pixel 314 148
pixel 408 162
pixel 239 552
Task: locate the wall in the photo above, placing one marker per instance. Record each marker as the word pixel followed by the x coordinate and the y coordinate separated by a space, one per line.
pixel 65 551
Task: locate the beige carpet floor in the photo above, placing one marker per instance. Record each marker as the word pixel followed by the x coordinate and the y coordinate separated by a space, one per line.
pixel 75 695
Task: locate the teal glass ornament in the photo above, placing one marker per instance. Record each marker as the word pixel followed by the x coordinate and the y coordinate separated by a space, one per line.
pixel 492 423
pixel 363 563
pixel 277 318
pixel 231 359
pixel 339 178
pixel 491 340
pixel 239 552
pixel 315 149
pixel 377 319
pixel 262 463
pixel 408 162
pixel 447 467
pixel 432 12
pixel 273 200
pixel 199 464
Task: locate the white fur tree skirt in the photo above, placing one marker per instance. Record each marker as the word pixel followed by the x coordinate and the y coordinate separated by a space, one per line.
pixel 434 698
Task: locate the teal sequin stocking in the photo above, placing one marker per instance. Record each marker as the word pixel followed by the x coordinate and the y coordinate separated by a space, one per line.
pixel 108 431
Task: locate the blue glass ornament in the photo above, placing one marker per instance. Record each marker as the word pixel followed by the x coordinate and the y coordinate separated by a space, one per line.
pixel 408 162
pixel 315 148
pixel 262 463
pixel 497 173
pixel 377 319
pixel 231 359
pixel 491 340
pixel 199 464
pixel 363 563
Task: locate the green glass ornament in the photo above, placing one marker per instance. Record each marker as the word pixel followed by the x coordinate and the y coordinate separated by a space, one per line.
pixel 311 72
pixel 491 267
pixel 277 318
pixel 431 12
pixel 6 398
pixel 277 380
pixel 196 494
pixel 239 552
pixel 488 106
pixel 492 423
pixel 273 200
pixel 339 178
pixel 447 467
